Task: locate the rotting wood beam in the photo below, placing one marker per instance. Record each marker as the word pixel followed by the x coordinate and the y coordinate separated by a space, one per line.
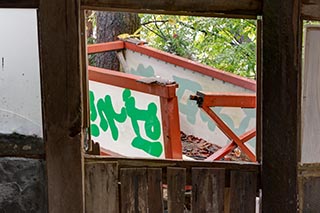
pixel 161 163
pixel 62 103
pixel 221 8
pixel 281 76
pixel 19 4
pixel 247 9
pixel 164 164
pixel 311 9
pixel 228 8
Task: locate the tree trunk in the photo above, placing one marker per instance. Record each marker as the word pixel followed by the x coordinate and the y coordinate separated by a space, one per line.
pixel 109 26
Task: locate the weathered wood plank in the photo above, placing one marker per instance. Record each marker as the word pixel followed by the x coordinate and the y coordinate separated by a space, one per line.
pixel 311 9
pixel 19 3
pixel 243 188
pixel 101 187
pixel 243 8
pixel 160 163
pixel 281 104
pixel 134 194
pixel 85 80
pixel 155 195
pixel 176 189
pixel 222 8
pixel 208 190
pixel 310 146
pixel 59 25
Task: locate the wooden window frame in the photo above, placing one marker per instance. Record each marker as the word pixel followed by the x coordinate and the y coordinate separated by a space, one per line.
pixel 64 84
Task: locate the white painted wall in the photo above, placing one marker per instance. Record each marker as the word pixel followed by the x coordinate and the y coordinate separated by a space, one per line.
pixel 310 148
pixel 20 96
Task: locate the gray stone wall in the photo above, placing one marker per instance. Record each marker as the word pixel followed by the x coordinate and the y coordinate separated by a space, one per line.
pixel 22 185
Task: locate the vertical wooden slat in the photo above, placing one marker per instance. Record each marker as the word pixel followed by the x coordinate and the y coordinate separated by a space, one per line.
pixel 281 60
pixel 227 199
pixel 155 195
pixel 208 190
pixel 243 187
pixel 60 61
pixel 85 81
pixel 176 178
pixel 101 187
pixel 134 190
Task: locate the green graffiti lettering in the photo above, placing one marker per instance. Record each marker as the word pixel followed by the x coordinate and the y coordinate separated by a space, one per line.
pixel 149 116
pixel 151 125
pixel 93 116
pixel 108 116
pixel 94 130
pixel 142 71
pixel 190 108
pixel 153 148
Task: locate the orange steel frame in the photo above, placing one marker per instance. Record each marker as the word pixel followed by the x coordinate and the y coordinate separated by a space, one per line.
pixel 207 100
pixel 168 102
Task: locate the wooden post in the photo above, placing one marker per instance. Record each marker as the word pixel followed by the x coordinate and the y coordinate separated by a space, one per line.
pixel 280 104
pixel 59 25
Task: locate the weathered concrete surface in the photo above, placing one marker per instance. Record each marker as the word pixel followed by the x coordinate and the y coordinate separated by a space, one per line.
pixel 22 185
pixel 16 145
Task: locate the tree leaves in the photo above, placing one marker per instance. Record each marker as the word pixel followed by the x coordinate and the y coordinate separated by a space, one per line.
pixel 227 44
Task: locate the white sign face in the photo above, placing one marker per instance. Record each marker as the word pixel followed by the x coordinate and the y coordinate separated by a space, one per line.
pixel 192 120
pixel 125 121
pixel 20 96
pixel 310 147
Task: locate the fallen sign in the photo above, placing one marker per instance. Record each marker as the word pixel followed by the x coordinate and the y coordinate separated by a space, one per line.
pixel 153 68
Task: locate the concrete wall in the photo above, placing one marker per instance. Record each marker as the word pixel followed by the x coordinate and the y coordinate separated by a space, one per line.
pixel 20 97
pixel 22 185
pixel 22 165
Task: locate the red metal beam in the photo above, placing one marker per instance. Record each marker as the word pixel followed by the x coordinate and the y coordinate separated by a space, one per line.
pixel 228 99
pixel 232 145
pixel 129 81
pixel 171 126
pixel 228 132
pixel 104 47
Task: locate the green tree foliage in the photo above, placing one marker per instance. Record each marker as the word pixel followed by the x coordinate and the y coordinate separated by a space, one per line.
pixel 227 44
